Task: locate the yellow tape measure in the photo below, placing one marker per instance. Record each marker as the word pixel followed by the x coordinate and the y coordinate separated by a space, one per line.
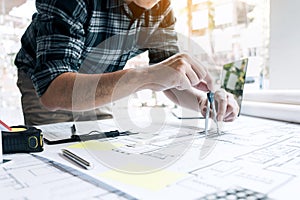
pixel 22 139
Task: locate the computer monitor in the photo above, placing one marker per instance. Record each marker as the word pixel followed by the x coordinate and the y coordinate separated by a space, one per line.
pixel 233 78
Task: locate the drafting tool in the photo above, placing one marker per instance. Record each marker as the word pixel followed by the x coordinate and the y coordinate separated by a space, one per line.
pixel 211 104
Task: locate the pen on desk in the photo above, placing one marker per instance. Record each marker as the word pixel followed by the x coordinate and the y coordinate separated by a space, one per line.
pixel 4 126
pixel 78 160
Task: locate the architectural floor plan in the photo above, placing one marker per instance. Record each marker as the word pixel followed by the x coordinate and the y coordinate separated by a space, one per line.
pixel 175 161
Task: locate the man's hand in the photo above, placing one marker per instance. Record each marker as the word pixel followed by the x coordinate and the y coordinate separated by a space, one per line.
pixel 181 72
pixel 227 107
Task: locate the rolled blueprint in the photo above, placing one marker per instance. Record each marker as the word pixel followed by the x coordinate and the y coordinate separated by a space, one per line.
pixel 273 96
pixel 277 111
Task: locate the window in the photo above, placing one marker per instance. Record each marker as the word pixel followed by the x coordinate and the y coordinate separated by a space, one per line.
pixel 229 30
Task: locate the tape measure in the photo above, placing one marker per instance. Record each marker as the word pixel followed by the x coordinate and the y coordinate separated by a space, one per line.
pixel 22 139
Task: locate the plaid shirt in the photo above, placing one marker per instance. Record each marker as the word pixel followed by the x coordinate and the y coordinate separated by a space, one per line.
pixel 93 36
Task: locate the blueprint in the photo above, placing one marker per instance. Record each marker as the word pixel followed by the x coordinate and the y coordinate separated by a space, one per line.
pixel 32 177
pixel 169 160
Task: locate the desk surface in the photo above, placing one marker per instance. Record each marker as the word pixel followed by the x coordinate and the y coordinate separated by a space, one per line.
pixel 168 159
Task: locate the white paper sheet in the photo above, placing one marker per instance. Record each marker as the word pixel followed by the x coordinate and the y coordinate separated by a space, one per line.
pixel 31 177
pixel 259 154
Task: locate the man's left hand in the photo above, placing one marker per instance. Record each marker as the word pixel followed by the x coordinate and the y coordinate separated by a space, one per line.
pixel 227 107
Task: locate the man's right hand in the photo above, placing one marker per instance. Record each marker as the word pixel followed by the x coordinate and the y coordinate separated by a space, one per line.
pixel 180 71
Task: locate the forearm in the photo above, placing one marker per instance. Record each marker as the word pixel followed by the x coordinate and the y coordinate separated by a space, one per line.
pixel 76 92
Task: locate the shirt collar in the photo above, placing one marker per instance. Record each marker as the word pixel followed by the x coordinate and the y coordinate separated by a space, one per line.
pixel 115 3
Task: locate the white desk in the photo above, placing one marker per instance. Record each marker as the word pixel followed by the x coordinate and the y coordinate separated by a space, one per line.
pixel 258 154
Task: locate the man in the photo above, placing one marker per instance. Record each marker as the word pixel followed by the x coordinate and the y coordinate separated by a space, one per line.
pixel 74 51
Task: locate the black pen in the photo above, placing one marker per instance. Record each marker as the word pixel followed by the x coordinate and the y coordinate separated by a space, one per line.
pixel 78 160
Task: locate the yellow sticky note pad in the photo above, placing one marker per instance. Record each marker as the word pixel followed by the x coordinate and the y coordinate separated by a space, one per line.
pixel 152 181
pixel 96 145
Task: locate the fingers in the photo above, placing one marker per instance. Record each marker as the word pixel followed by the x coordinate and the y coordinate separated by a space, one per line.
pixel 209 82
pixel 229 118
pixel 202 86
pixel 228 108
pixel 203 107
pixel 194 71
pixel 191 75
pixel 232 109
pixel 221 99
pixel 186 77
pixel 184 83
pixel 201 72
